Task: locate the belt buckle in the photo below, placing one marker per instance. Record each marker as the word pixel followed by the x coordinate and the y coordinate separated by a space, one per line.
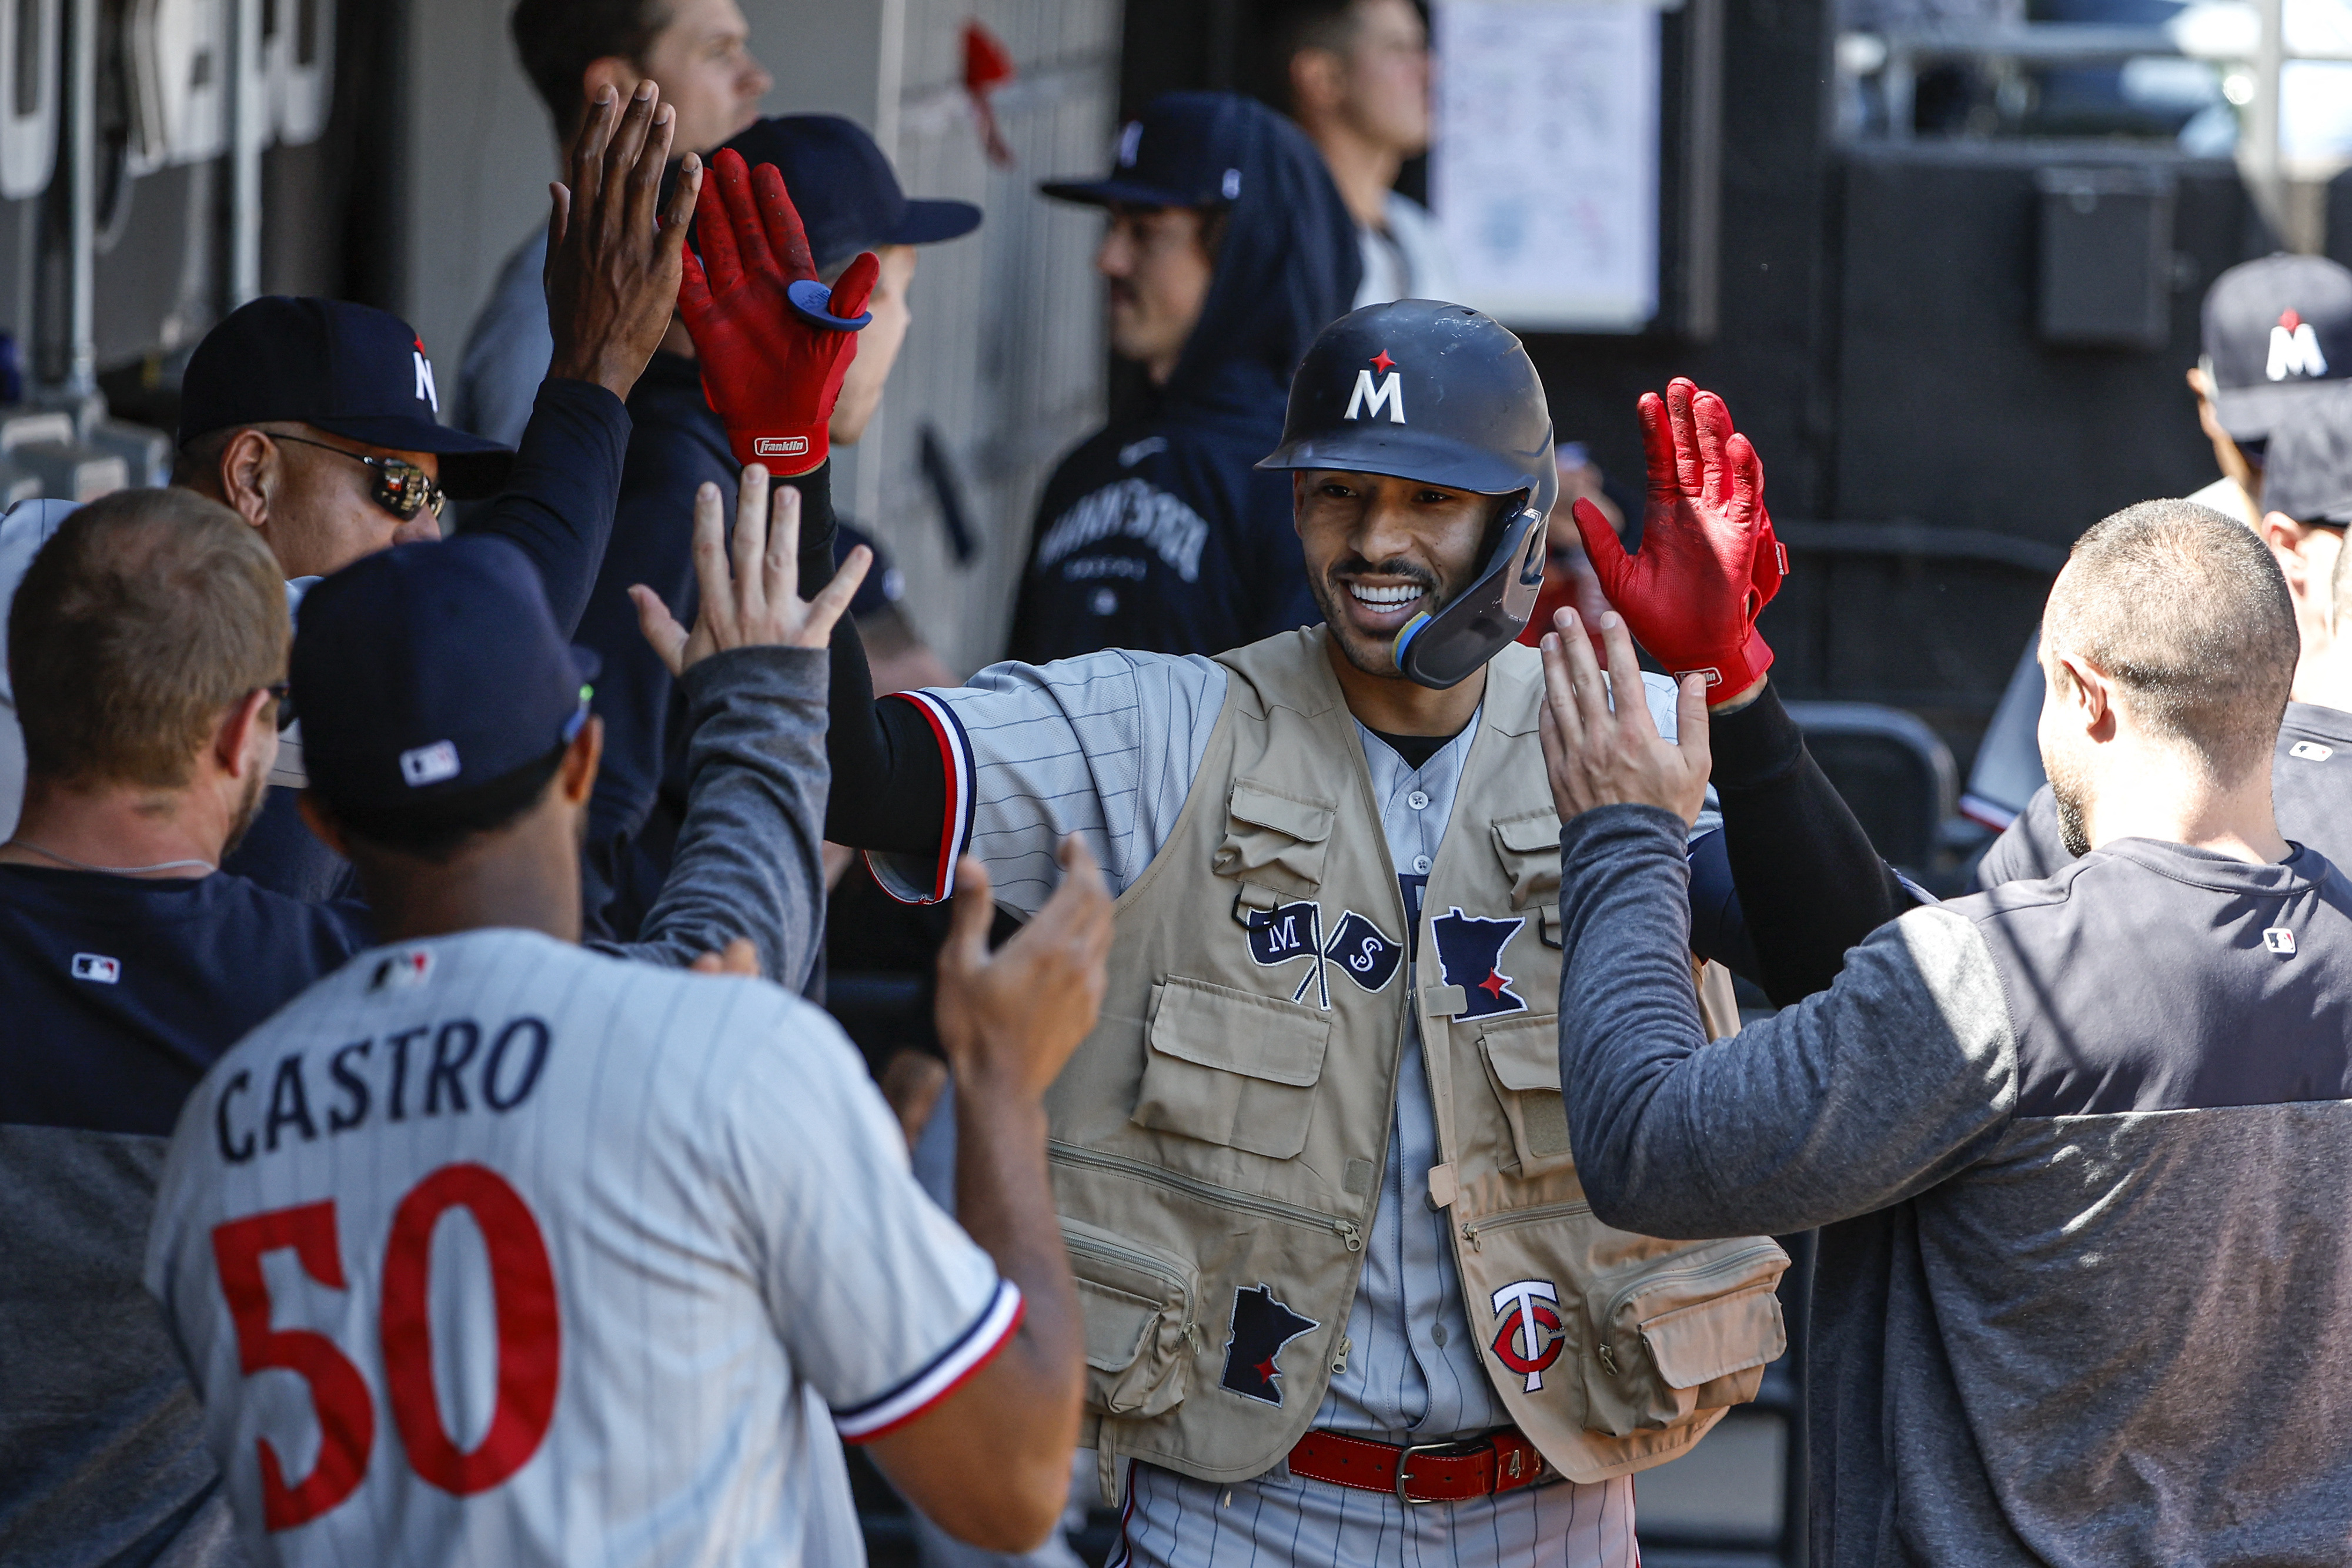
pixel 1404 1461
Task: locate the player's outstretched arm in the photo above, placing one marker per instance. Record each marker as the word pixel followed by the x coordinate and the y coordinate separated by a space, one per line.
pixel 749 861
pixel 991 1464
pixel 612 285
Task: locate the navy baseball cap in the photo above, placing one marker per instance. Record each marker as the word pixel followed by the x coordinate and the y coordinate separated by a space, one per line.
pixel 353 372
pixel 2307 474
pixel 847 195
pixel 428 670
pixel 2273 329
pixel 1185 150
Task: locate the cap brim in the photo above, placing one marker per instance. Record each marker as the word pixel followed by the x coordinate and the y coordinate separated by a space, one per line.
pixel 927 222
pixel 471 465
pixel 2249 413
pixel 1116 192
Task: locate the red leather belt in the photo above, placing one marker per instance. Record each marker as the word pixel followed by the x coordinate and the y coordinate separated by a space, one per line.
pixel 1422 1472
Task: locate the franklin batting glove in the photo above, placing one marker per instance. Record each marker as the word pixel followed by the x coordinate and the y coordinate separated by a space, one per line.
pixel 775 345
pixel 1709 561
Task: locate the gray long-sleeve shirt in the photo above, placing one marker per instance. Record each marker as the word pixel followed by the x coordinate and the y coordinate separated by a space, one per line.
pixel 2081 1152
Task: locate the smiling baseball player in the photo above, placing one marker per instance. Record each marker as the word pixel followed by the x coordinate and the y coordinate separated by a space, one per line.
pixel 1311 1167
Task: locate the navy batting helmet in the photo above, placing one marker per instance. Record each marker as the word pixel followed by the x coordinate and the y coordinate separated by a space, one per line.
pixel 1437 393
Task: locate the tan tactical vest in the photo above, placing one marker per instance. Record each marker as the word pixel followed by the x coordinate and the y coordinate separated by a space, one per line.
pixel 1217 1142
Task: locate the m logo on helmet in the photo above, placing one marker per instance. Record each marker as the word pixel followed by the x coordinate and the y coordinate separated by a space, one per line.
pixel 1369 399
pixel 2295 349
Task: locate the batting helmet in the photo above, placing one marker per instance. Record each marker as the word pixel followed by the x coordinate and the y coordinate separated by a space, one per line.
pixel 1437 393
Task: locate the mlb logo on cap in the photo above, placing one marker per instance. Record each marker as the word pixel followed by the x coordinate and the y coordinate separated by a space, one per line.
pixel 429 764
pixel 97 969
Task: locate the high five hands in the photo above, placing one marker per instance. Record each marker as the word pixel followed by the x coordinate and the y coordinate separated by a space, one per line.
pixel 770 372
pixel 613 271
pixel 1709 561
pixel 752 600
pixel 1596 754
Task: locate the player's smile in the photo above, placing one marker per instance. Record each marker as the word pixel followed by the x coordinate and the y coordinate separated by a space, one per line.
pixel 1378 605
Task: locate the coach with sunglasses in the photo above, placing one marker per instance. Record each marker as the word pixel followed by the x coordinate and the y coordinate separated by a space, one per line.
pixel 318 421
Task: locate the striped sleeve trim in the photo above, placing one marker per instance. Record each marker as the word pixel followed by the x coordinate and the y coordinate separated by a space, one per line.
pixel 948 1372
pixel 958 787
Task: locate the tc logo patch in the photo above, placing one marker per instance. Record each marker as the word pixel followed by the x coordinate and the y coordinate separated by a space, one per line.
pixel 1470 951
pixel 1527 1332
pixel 97 969
pixel 1364 954
pixel 1261 1327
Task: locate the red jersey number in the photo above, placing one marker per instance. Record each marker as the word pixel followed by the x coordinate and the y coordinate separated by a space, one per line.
pixel 530 1339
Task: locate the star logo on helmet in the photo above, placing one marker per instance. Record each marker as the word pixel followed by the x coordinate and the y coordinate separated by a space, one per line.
pixel 1382 362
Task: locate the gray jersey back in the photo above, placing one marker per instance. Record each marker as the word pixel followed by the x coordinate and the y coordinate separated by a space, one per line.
pixel 622 1235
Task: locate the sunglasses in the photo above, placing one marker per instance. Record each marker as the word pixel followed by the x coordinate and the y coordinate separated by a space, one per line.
pixel 402 487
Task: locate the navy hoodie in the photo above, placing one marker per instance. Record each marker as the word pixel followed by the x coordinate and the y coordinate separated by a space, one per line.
pixel 1159 533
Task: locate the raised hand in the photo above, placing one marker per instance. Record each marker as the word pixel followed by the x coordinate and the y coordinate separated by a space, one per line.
pixel 754 601
pixel 774 346
pixel 1709 562
pixel 1597 753
pixel 1008 1020
pixel 613 271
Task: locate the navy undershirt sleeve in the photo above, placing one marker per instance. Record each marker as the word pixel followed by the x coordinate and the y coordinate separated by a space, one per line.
pixel 557 507
pixel 1806 884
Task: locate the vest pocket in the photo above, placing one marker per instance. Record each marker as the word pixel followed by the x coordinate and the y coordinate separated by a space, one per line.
pixel 1529 847
pixel 1229 1068
pixel 1682 1334
pixel 1138 1303
pixel 1523 1068
pixel 1275 840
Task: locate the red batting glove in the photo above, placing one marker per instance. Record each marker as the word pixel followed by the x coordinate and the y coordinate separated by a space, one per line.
pixel 772 376
pixel 1709 561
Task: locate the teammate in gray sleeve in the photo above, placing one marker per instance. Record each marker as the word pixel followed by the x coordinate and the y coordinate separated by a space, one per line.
pixel 2078 1147
pixel 2308 492
pixel 693 1251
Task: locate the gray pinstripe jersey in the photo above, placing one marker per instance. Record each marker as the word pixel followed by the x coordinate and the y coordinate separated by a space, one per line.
pixel 1107 746
pixel 689 1232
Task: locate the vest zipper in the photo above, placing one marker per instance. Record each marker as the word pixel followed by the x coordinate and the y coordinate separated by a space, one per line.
pixel 1340 1359
pixel 1070 1154
pixel 1471 1229
pixel 1731 1264
pixel 1142 1261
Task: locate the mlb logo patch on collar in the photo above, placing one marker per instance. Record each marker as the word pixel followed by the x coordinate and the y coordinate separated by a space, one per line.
pixel 2310 751
pixel 2280 940
pixel 398 971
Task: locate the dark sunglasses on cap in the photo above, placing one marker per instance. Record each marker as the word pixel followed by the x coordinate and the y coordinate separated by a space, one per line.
pixel 402 487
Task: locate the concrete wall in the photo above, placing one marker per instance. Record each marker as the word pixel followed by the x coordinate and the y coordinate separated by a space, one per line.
pixel 1005 362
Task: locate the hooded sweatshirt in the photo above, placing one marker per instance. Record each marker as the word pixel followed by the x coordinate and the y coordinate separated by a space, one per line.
pixel 1159 533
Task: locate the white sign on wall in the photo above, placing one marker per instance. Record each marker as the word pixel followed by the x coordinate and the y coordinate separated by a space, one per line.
pixel 1544 170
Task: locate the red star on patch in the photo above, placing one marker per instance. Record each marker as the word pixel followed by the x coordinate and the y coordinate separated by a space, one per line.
pixel 1266 1369
pixel 1383 363
pixel 2289 319
pixel 1494 983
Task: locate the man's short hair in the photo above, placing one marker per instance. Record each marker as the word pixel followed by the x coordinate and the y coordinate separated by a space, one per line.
pixel 1290 25
pixel 140 621
pixel 559 39
pixel 2186 611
